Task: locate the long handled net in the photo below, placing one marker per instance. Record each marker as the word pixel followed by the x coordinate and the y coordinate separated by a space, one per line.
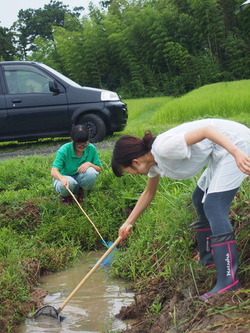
pixel 49 311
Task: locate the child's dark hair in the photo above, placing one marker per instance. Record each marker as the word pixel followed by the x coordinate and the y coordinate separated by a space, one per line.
pixel 129 147
pixel 79 133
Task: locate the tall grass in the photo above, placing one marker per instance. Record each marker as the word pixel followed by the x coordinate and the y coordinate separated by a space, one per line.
pixel 223 100
pixel 142 112
pixel 229 100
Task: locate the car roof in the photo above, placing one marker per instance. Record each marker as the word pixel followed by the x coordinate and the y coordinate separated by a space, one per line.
pixel 18 62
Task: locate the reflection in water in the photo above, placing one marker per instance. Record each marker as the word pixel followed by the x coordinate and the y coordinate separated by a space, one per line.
pixel 93 307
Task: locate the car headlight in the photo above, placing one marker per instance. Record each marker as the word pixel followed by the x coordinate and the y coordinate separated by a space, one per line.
pixel 109 96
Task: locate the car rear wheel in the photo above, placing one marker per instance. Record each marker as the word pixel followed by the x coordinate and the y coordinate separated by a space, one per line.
pixel 95 125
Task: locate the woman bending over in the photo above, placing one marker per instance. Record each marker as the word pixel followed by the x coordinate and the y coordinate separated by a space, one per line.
pixel 223 147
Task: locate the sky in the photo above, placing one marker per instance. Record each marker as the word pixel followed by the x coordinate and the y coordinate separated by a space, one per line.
pixel 9 8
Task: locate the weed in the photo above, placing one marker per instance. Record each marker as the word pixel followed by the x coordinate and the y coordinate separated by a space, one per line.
pixel 155 307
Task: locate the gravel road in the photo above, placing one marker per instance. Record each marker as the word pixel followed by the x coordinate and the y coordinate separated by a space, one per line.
pixel 45 151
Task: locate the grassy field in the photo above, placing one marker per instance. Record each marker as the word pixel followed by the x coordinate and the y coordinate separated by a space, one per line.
pixel 229 100
pixel 38 234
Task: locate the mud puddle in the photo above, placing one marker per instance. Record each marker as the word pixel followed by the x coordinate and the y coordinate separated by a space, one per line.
pixel 93 307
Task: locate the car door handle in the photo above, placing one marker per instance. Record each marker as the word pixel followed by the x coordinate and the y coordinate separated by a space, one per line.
pixel 16 100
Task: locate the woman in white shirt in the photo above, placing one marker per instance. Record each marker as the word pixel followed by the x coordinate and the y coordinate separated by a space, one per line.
pixel 223 147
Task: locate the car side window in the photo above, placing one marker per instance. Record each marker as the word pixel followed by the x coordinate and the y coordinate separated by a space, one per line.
pixel 26 81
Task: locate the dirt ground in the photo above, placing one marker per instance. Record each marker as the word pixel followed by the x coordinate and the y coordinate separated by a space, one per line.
pixel 183 312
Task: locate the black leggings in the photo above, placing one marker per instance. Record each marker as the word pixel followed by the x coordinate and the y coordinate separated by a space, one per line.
pixel 215 209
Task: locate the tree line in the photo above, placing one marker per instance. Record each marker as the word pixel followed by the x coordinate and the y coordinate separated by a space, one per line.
pixel 138 48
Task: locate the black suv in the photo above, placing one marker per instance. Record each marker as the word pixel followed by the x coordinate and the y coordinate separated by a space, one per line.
pixel 38 102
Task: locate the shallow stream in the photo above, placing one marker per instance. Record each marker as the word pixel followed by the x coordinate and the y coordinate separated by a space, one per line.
pixel 93 307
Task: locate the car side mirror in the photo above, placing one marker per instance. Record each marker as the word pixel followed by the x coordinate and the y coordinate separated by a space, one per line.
pixel 53 87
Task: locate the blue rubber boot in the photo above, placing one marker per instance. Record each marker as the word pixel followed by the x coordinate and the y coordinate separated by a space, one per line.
pixel 203 232
pixel 225 255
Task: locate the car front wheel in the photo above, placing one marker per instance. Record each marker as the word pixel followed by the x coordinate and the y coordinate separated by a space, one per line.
pixel 95 125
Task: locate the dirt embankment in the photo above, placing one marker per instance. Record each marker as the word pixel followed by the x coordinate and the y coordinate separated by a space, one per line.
pixel 182 312
pixel 161 306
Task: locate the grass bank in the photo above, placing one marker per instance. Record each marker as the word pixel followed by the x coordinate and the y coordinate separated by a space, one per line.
pixel 229 100
pixel 38 234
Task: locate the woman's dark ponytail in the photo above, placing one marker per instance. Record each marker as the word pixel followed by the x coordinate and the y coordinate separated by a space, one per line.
pixel 148 140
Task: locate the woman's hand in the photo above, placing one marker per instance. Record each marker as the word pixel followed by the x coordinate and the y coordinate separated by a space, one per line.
pixel 125 230
pixel 56 174
pixel 83 168
pixel 65 182
pixel 242 160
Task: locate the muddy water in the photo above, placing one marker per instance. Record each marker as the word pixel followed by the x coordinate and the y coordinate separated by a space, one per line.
pixel 93 307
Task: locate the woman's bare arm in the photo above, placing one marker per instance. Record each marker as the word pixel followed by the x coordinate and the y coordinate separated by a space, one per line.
pixel 143 202
pixel 56 174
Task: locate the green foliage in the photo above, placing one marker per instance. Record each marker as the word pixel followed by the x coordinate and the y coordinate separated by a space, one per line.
pixel 237 61
pixel 7 49
pixel 161 230
pixel 156 307
pixel 223 100
pixel 14 289
pixel 141 113
pixel 46 50
pixel 138 48
pixel 39 22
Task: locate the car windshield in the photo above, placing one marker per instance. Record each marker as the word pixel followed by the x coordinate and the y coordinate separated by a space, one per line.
pixel 65 78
